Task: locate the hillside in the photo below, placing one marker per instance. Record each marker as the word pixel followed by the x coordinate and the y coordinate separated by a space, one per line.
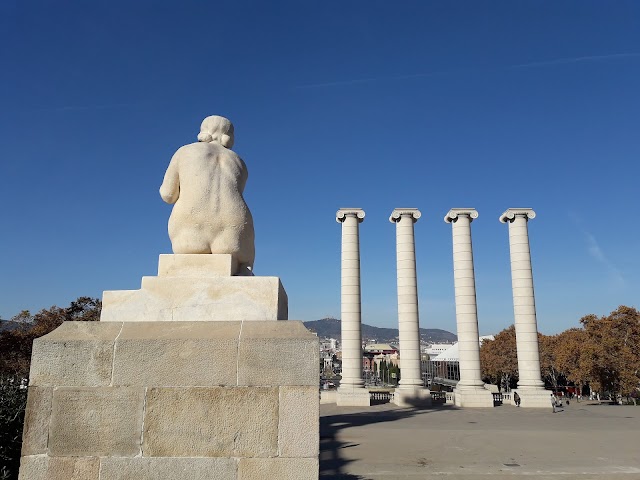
pixel 8 325
pixel 330 328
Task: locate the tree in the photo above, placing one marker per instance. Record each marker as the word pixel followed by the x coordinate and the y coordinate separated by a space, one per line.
pixel 13 399
pixel 548 362
pixel 15 359
pixel 614 350
pixel 572 357
pixel 16 344
pixel 499 359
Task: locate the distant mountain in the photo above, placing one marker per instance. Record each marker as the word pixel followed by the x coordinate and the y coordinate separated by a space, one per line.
pixel 8 325
pixel 330 328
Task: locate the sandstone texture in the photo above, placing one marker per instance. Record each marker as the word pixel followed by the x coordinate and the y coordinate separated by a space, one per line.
pixel 198 287
pixel 173 400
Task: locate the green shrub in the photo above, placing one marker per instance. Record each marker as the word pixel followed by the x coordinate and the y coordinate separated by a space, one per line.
pixel 13 400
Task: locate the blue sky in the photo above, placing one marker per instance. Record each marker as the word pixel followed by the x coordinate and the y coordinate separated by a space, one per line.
pixel 369 104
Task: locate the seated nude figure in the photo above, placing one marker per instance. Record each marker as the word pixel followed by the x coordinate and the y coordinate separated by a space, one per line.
pixel 205 181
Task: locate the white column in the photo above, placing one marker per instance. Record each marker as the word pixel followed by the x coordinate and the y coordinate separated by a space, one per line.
pixel 524 305
pixel 410 389
pixel 351 391
pixel 470 391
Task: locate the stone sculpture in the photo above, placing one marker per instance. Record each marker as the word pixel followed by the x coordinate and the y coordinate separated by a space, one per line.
pixel 204 182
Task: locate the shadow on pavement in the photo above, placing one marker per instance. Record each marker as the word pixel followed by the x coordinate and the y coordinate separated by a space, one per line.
pixel 332 463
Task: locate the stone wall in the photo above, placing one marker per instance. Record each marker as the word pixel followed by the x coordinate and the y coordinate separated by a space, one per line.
pixel 173 400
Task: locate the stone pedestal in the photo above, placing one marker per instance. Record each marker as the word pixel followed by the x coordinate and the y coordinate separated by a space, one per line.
pixel 533 397
pixel 419 397
pixel 473 397
pixel 179 400
pixel 193 287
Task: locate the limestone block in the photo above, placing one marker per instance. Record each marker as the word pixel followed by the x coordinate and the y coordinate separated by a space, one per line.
pixel 298 434
pixel 35 434
pixel 42 467
pixel 197 299
pixel 278 353
pixel 278 468
pixel 96 421
pixel 534 397
pixel 176 354
pixel 141 468
pixel 211 422
pixel 197 266
pixel 74 354
pixel 328 396
pixel 473 398
pixel 419 397
pixel 353 397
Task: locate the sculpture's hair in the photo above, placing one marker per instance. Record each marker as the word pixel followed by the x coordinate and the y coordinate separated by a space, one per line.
pixel 216 129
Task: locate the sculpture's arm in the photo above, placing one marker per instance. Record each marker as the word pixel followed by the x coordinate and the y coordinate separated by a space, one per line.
pixel 170 188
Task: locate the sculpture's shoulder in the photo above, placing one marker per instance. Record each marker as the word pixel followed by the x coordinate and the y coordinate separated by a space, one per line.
pixel 197 148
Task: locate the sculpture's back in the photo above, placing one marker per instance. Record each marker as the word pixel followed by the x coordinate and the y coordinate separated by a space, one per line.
pixel 205 181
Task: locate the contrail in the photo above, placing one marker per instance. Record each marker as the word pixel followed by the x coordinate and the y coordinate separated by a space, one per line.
pixel 559 61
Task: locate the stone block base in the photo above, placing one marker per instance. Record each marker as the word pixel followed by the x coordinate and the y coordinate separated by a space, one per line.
pixel 328 396
pixel 353 397
pixel 419 397
pixel 42 467
pixel 174 400
pixel 197 288
pixel 473 398
pixel 538 398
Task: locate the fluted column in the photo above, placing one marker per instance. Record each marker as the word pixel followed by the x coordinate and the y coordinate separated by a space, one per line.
pixel 408 320
pixel 350 307
pixel 465 291
pixel 524 305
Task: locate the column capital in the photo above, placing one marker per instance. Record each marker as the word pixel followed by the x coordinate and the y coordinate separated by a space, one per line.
pixel 342 214
pixel 512 213
pixel 399 212
pixel 454 213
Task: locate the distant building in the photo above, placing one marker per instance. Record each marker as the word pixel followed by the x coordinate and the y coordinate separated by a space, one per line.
pixel 444 369
pixel 376 353
pixel 436 349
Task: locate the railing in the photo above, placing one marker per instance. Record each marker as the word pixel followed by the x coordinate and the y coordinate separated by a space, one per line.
pixel 451 397
pixel 378 398
pixel 438 397
pixel 506 397
pixel 497 399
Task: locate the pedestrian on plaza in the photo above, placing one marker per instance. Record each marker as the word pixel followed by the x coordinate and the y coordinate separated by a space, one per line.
pixel 516 398
pixel 553 403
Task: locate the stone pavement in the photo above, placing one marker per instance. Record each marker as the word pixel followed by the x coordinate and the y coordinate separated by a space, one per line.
pixel 585 441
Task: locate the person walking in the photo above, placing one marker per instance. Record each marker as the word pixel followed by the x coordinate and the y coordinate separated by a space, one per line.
pixel 553 403
pixel 516 398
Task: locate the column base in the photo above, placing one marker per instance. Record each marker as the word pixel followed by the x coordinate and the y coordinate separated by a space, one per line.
pixel 419 397
pixel 328 396
pixel 533 398
pixel 353 397
pixel 473 397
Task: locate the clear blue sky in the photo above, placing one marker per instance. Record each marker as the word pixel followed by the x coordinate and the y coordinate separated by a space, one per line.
pixel 336 104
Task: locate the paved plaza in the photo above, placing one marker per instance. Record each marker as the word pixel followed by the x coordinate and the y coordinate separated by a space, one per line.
pixel 585 441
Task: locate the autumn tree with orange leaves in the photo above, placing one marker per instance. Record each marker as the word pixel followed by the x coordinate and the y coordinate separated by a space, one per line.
pixel 604 353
